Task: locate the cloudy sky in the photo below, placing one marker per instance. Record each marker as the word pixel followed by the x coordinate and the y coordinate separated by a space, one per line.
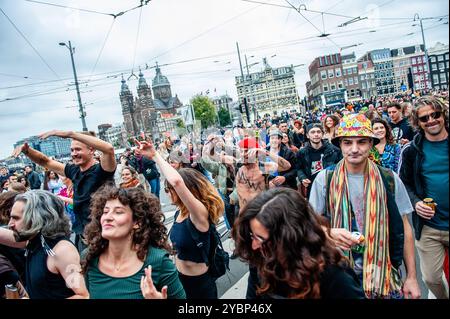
pixel 195 38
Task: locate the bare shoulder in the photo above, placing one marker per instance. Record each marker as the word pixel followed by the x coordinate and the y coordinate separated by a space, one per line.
pixel 65 248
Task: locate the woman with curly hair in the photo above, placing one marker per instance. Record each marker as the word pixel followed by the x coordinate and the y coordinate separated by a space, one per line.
pixel 128 252
pixel 279 233
pixel 199 208
pixel 52 182
pixel 330 123
pixel 386 153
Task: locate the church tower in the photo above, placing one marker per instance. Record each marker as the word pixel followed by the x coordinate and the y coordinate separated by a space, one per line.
pixel 145 107
pixel 128 108
pixel 161 86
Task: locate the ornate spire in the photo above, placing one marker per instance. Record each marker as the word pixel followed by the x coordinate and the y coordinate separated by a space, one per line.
pixel 124 88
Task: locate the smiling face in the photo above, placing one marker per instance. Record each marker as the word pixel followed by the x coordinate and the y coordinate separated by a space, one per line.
pixel 127 176
pixel 329 122
pixel 379 130
pixel 81 153
pixel 433 126
pixel 117 220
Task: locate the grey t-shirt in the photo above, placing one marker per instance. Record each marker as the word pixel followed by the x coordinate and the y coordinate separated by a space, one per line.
pixel 357 196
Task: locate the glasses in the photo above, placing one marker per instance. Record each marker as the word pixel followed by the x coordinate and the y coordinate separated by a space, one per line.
pixel 258 238
pixel 433 115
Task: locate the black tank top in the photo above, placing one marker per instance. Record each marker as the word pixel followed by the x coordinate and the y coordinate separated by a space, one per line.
pixel 40 282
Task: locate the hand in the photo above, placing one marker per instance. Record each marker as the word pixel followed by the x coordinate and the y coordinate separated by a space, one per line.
pixel 63 134
pixel 343 238
pixel 148 289
pixel 403 141
pixel 272 185
pixel 306 182
pixel 424 211
pixel 279 180
pixel 294 149
pixel 145 148
pixel 411 289
pixel 20 149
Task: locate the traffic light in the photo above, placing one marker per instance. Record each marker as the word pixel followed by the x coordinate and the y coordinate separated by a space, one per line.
pixel 247 112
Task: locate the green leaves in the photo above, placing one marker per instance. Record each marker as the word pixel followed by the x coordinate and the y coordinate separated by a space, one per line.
pixel 205 110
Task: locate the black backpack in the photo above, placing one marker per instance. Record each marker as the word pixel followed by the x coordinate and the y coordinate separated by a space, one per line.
pixel 217 258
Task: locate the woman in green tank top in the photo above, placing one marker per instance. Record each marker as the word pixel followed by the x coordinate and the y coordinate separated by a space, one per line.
pixel 128 253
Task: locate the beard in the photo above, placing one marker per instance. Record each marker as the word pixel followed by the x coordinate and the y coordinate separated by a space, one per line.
pixel 21 237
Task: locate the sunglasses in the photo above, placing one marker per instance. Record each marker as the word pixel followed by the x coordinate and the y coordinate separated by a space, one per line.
pixel 433 115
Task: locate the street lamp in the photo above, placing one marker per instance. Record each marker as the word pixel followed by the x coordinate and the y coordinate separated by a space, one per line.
pixel 80 105
pixel 416 17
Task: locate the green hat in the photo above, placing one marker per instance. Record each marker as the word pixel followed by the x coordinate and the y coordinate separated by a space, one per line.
pixel 355 125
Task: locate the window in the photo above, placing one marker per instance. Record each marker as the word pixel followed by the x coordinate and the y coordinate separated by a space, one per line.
pixel 420 68
pixel 441 66
pixel 355 70
pixel 333 86
pixel 413 61
pixel 323 75
pixel 433 67
pixel 330 74
pixel 350 81
pixel 433 59
pixel 440 58
pixel 344 72
pixel 340 85
pixel 446 56
pixel 415 69
pixel 355 80
pixel 338 72
pixel 345 82
pixel 349 71
pixel 325 87
pixel 442 78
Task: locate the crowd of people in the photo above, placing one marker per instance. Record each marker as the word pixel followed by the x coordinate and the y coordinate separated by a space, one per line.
pixel 317 205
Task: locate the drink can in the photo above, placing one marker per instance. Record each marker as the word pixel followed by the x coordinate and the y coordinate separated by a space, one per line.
pixel 360 247
pixel 11 292
pixel 429 202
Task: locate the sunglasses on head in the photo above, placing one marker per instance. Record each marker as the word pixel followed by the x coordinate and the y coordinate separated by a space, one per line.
pixel 433 115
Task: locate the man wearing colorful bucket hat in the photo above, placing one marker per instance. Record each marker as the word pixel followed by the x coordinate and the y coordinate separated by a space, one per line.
pixel 356 195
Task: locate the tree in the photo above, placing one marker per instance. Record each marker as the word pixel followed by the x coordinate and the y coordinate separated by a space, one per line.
pixel 180 123
pixel 224 117
pixel 204 110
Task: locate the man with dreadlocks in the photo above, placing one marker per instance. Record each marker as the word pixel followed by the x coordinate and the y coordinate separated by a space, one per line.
pixel 356 195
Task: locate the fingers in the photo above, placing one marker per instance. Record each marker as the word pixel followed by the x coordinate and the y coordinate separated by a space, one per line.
pixel 164 292
pixel 424 211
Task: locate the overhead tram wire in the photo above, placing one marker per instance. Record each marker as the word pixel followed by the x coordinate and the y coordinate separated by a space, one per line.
pixel 29 43
pixel 205 32
pixel 136 42
pixel 323 33
pixel 67 7
pixel 101 50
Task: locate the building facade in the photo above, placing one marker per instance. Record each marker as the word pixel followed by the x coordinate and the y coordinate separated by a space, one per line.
pixel 350 75
pixel 272 89
pixel 366 72
pixel 384 71
pixel 438 63
pixel 52 146
pixel 140 113
pixel 327 82
pixel 223 101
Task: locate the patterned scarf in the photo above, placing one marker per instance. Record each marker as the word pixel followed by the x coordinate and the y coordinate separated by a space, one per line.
pixel 380 279
pixel 131 184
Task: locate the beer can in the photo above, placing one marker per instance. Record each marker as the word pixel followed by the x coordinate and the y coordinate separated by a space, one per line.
pixel 429 202
pixel 360 247
pixel 11 292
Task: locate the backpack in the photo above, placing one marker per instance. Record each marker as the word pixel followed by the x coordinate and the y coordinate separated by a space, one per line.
pixel 217 258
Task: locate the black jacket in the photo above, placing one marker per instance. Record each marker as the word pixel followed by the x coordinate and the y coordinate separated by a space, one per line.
pixel 411 174
pixel 291 173
pixel 144 166
pixel 331 156
pixel 34 180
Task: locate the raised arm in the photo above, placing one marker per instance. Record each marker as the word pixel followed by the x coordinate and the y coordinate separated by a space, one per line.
pixel 198 212
pixel 39 158
pixel 107 160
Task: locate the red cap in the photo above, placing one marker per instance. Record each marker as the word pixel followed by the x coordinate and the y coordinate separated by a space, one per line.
pixel 248 143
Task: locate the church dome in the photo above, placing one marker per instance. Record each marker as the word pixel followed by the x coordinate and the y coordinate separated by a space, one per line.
pixel 160 80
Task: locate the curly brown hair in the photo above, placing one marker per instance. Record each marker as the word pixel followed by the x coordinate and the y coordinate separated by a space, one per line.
pixel 146 213
pixel 335 123
pixel 6 204
pixel 297 250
